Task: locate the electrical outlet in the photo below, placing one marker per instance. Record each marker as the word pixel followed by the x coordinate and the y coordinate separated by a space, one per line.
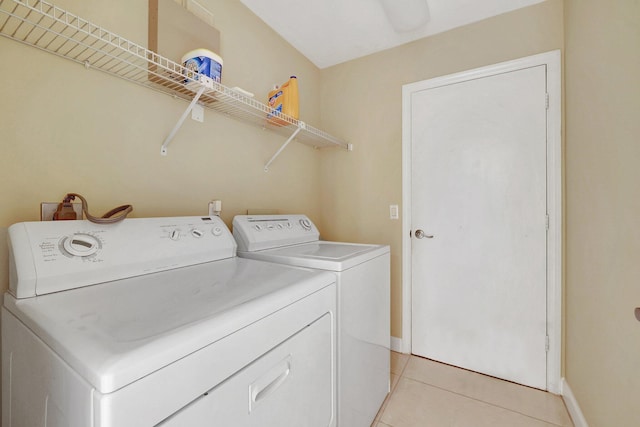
pixel 215 207
pixel 47 209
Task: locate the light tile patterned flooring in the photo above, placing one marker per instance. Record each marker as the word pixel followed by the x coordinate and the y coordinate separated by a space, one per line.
pixel 425 393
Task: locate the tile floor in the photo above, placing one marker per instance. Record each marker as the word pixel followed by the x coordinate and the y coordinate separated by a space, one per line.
pixel 425 393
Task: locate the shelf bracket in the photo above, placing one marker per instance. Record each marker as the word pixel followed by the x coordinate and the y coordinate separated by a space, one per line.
pixel 163 149
pixel 301 126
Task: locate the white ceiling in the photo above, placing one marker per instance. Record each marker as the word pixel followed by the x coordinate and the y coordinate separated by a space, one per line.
pixel 329 32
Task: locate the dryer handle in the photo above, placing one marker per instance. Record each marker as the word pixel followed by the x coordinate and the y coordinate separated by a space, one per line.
pixel 270 382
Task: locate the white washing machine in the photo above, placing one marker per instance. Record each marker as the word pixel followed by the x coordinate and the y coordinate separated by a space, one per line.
pixel 155 322
pixel 363 279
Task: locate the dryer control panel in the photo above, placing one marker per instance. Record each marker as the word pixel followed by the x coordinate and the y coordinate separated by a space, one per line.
pixel 54 256
pixel 260 232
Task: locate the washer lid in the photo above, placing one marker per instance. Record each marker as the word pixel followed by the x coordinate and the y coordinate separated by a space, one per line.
pixel 115 333
pixel 323 255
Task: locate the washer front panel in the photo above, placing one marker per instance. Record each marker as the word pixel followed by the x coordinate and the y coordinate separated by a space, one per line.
pixel 258 232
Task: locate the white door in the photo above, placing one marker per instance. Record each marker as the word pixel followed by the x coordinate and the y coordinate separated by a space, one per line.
pixel 478 180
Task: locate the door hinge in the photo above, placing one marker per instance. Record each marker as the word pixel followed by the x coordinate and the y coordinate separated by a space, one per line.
pixel 546 222
pixel 546 101
pixel 546 343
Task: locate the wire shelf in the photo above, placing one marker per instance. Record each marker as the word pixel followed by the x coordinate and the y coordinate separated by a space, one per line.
pixel 54 30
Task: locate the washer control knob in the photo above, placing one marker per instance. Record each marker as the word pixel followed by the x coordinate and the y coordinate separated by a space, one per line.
pixel 216 231
pixel 280 226
pixel 257 227
pixel 81 245
pixel 196 232
pixel 289 225
pixel 306 224
pixel 270 227
pixel 174 235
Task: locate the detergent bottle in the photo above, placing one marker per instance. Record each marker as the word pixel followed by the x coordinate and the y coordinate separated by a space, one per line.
pixel 284 100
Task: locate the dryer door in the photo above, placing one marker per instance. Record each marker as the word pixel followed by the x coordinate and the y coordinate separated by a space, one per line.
pixel 290 386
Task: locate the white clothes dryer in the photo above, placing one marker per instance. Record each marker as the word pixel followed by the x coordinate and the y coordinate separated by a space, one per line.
pixel 363 280
pixel 155 322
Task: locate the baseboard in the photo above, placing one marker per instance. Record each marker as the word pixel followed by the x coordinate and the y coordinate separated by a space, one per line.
pixel 572 405
pixel 396 344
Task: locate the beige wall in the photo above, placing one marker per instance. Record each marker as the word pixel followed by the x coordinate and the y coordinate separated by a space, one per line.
pixel 65 129
pixel 361 101
pixel 603 208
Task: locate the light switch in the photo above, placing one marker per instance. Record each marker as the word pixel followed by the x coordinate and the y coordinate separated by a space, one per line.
pixel 393 211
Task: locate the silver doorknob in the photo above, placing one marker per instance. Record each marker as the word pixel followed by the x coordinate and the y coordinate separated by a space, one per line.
pixel 420 235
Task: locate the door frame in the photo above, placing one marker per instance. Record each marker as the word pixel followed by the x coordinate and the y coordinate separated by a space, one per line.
pixel 552 60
